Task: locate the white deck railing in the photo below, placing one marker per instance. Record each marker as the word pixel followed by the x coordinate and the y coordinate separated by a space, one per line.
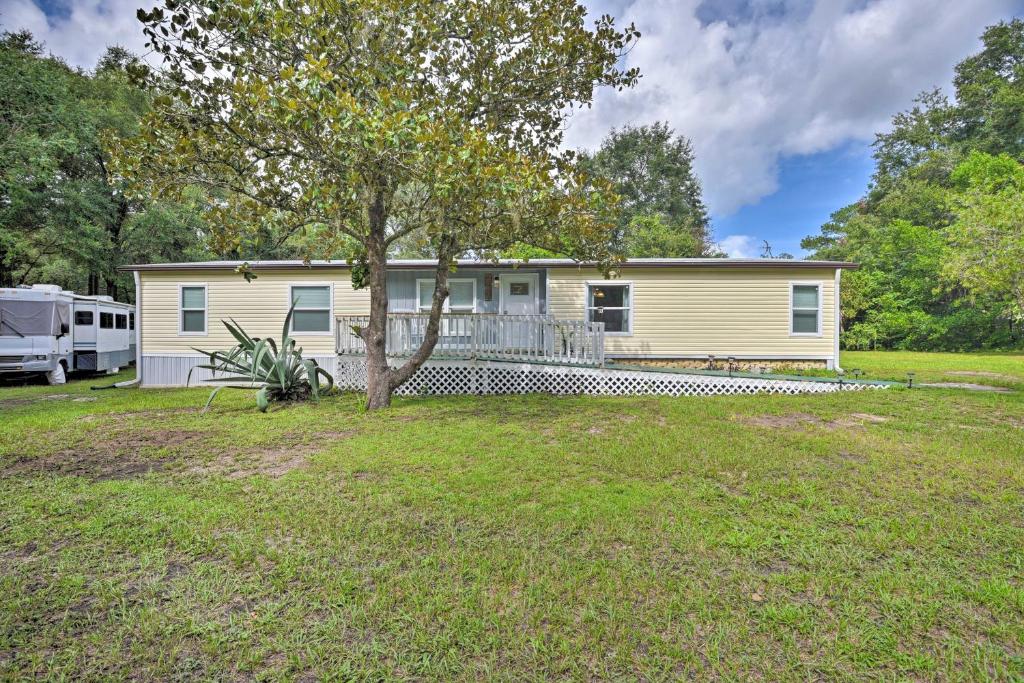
pixel 487 336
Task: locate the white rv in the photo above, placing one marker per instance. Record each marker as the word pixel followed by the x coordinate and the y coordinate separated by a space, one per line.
pixel 45 330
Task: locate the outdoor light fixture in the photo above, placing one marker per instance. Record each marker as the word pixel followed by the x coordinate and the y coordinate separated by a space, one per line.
pixel 856 372
pixel 910 380
pixel 711 362
pixel 732 362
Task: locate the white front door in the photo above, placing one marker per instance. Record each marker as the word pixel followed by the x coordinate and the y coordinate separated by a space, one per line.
pixel 519 295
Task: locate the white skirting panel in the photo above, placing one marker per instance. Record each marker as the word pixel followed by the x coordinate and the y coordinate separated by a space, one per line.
pixel 488 377
pixel 172 370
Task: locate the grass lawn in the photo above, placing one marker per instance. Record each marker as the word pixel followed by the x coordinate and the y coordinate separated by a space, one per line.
pixel 868 535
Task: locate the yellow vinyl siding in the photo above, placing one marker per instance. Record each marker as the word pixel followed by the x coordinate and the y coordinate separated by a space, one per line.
pixel 701 311
pixel 259 307
pixel 676 311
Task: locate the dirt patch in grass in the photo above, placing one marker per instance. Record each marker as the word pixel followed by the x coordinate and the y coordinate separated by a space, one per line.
pixel 803 420
pixel 970 386
pixel 135 452
pixel 272 461
pixel 982 373
pixel 11 402
pixel 122 456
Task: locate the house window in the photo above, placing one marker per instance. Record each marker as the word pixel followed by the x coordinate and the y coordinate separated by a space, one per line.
pixel 805 314
pixel 611 304
pixel 461 295
pixel 312 313
pixel 83 317
pixel 193 309
pixel 121 321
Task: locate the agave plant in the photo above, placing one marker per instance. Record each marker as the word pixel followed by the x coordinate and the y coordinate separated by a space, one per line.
pixel 278 372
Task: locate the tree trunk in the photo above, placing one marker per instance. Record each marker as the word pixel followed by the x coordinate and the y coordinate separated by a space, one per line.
pixel 381 380
pixel 444 260
pixel 111 288
pixel 6 279
pixel 378 374
pixel 378 380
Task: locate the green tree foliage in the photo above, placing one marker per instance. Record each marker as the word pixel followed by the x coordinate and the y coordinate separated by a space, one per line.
pixel 662 208
pixel 63 216
pixel 374 120
pixel 987 238
pixel 652 236
pixel 938 233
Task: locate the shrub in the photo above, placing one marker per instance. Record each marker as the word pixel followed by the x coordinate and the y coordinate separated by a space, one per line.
pixel 278 373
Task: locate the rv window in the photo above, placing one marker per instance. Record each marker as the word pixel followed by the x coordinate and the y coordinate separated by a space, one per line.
pixel 107 321
pixel 83 317
pixel 611 304
pixel 121 321
pixel 131 321
pixel 312 309
pixel 193 309
pixel 29 318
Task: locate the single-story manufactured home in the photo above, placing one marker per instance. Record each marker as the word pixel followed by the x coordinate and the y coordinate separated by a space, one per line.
pixel 659 311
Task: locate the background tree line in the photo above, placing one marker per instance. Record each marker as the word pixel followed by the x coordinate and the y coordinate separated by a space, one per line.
pixel 940 231
pixel 66 219
pixel 64 215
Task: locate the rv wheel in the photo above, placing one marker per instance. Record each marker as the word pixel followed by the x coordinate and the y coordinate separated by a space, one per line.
pixel 57 375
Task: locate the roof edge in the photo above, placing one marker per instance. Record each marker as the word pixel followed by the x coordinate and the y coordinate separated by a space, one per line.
pixel 504 263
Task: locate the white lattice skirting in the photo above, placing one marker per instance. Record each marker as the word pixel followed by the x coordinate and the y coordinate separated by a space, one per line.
pixel 441 377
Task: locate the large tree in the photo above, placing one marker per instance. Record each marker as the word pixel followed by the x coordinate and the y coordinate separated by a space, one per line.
pixel 662 208
pixel 63 216
pixel 938 232
pixel 987 238
pixel 373 119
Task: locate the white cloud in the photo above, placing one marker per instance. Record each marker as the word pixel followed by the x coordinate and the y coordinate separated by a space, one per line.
pixel 81 30
pixel 739 246
pixel 749 81
pixel 774 78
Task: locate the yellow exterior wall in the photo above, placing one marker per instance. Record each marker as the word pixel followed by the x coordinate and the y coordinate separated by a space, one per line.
pixel 677 312
pixel 259 307
pixel 702 311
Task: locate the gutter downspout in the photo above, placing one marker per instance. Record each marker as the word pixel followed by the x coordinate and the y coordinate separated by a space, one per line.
pixel 138 338
pixel 838 322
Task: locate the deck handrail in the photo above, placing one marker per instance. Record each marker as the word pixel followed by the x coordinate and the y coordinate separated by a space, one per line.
pixel 486 336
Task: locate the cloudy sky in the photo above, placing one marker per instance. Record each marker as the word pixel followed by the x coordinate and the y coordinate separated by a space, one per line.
pixel 780 97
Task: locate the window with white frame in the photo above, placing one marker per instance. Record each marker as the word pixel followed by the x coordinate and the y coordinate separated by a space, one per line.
pixel 192 309
pixel 461 295
pixel 611 304
pixel 805 316
pixel 312 314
